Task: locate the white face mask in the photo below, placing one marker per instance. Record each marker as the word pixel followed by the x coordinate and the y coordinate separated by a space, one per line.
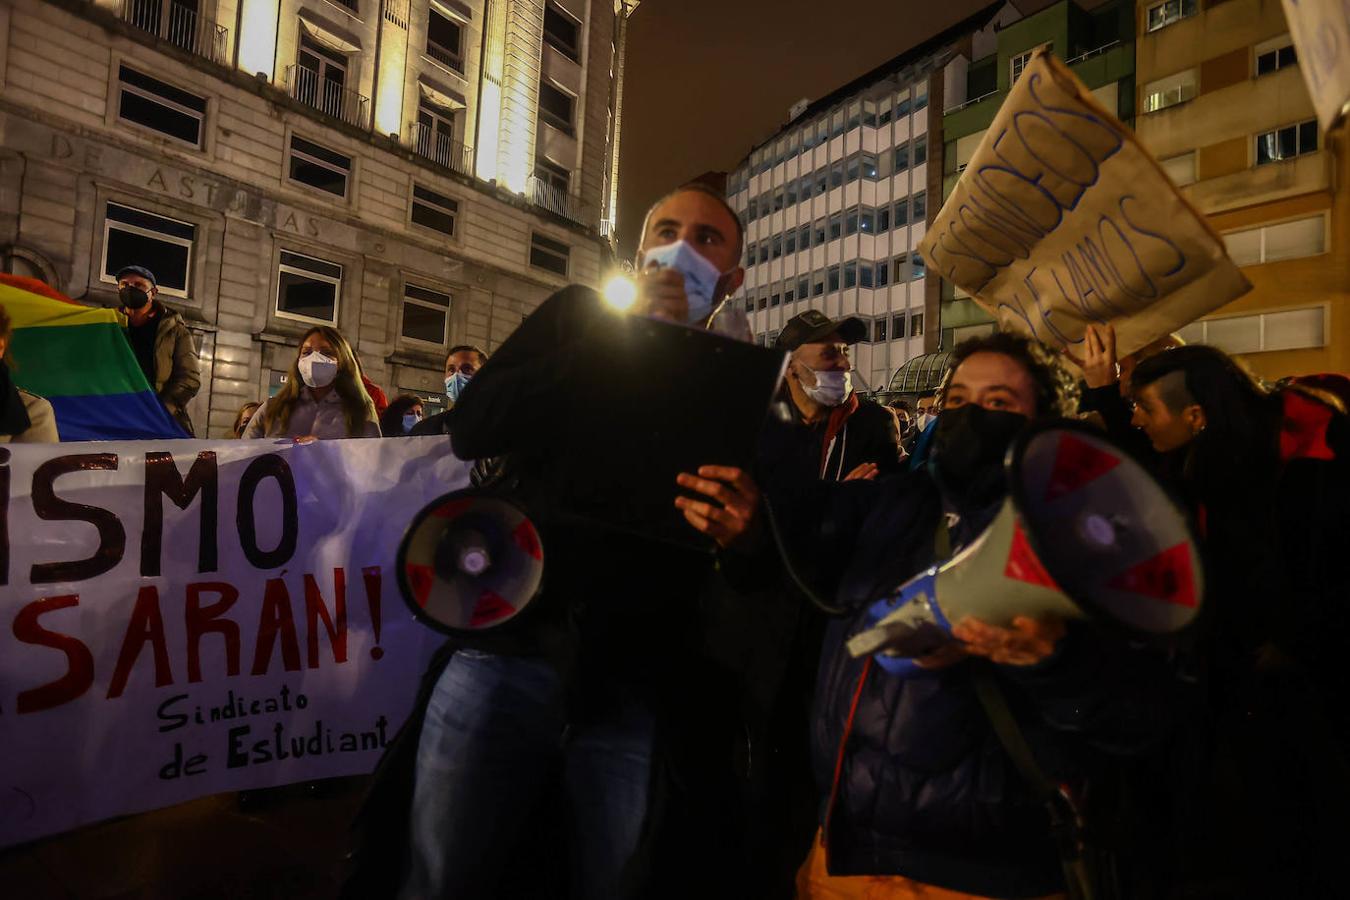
pixel 317 370
pixel 924 419
pixel 701 278
pixel 409 421
pixel 832 387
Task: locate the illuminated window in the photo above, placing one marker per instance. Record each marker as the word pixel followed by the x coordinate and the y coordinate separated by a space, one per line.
pixel 1170 91
pixel 1287 142
pixel 1160 15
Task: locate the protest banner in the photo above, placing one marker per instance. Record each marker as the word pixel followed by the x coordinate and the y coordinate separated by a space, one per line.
pixel 1321 33
pixel 1062 218
pixel 182 618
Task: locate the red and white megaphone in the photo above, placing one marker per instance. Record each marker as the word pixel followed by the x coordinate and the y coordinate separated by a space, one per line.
pixel 1085 533
pixel 470 561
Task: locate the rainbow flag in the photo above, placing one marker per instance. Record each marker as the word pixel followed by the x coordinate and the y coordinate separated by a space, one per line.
pixel 77 357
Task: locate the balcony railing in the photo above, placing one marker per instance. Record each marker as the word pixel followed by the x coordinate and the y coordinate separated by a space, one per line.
pixel 559 202
pixel 971 102
pixel 327 96
pixel 445 57
pixel 1098 51
pixel 180 25
pixel 440 149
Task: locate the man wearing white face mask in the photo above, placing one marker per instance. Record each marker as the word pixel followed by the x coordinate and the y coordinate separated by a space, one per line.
pixel 836 435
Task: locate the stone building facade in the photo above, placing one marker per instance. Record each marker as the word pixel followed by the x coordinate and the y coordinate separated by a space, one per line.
pixel 418 173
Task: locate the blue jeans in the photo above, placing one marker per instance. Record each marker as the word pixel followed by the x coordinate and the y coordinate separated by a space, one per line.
pixel 493 738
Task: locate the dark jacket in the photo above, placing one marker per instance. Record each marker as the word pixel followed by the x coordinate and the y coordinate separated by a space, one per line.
pixel 917 782
pixel 1115 414
pixel 177 368
pixel 858 431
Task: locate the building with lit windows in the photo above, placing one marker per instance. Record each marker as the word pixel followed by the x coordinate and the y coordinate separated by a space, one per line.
pixel 1223 105
pixel 1097 45
pixel 836 202
pixel 417 173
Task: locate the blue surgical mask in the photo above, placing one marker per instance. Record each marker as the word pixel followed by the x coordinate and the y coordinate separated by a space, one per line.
pixel 409 421
pixel 700 276
pixel 454 385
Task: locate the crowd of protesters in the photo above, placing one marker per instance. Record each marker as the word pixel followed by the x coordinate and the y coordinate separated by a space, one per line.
pixel 717 738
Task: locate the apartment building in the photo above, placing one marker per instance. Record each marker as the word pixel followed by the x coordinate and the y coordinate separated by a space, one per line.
pixel 418 173
pixel 836 202
pixel 1223 105
pixel 1097 45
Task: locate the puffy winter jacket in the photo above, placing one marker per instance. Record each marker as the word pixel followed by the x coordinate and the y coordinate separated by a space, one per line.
pixel 916 782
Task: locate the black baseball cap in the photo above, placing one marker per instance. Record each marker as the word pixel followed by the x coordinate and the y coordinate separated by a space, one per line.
pixel 137 270
pixel 813 325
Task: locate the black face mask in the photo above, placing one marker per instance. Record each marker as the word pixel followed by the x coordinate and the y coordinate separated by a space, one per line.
pixel 968 450
pixel 133 297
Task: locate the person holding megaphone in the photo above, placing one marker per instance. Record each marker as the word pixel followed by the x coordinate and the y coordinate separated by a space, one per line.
pixel 934 783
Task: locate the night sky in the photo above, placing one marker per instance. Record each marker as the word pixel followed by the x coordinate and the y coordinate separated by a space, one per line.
pixel 707 79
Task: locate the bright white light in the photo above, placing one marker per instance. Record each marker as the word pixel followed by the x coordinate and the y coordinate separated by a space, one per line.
pixel 620 293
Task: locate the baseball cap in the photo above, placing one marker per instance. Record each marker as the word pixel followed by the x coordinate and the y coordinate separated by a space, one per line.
pixel 137 270
pixel 813 325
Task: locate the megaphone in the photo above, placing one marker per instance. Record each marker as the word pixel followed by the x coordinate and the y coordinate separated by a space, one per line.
pixel 470 561
pixel 1085 533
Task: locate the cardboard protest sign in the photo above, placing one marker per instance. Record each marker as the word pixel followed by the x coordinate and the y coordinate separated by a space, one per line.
pixel 1321 33
pixel 182 618
pixel 1063 218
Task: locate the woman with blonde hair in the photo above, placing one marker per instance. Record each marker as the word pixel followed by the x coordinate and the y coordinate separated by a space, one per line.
pixel 322 397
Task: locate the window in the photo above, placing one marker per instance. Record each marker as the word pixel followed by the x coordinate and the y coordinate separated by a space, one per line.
pixel 434 211
pixel 436 137
pixel 546 253
pixel 803 287
pixel 1160 15
pixel 837 174
pixel 854 116
pixel 562 32
pixel 308 288
pixel 555 107
pixel 837 123
pixel 901 212
pixel 919 151
pixel 425 314
pixel 851 221
pixel 1286 142
pixel 321 79
pixel 318 167
pixel 920 97
pixel 865 275
pixel 850 275
pixel 879 331
pixel 787 298
pixel 822 182
pixel 901 270
pixel 764 252
pixel 820 233
pixel 832 278
pixel 777 247
pixel 750 254
pixel 753 213
pixel 1169 91
pixel 869 113
pixel 836 225
pixel 897 327
pixel 902 106
pixel 916 266
pixel 818 285
pixel 749 304
pixel 134 237
pixel 1180 168
pixel 804 236
pixel 884 114
pixel 1274 55
pixel 790 243
pixel 916 325
pixel 445 42
pixel 883 270
pixel 852 168
pixel 791 191
pixel 553 175
pixel 919 209
pixel 883 219
pixel 870 170
pixel 867 221
pixel 1283 240
pixel 150 102
pixel 901 159
pixel 1018 64
pixel 775 299
pixel 1294 329
pixel 763 302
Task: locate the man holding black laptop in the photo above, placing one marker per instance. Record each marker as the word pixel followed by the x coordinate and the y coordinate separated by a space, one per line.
pixel 598 702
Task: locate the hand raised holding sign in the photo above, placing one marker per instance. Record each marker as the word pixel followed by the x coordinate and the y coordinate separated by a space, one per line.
pixel 1099 364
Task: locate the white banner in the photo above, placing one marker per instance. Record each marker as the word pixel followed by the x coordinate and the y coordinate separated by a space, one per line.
pixel 1320 30
pixel 183 618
